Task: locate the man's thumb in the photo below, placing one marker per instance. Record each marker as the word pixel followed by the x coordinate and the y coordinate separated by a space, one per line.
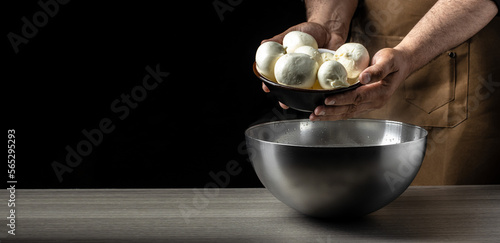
pixel 365 77
pixel 372 74
pixel 382 66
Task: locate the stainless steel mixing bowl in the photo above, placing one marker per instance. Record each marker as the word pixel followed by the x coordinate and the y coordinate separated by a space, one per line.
pixel 336 168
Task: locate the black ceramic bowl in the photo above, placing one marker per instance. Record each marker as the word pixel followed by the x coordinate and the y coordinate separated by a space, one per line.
pixel 300 99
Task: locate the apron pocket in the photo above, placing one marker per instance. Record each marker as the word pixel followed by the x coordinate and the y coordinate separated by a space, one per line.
pixel 439 89
pixel 434 85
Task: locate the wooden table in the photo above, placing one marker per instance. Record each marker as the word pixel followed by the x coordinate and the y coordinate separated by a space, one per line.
pixel 445 213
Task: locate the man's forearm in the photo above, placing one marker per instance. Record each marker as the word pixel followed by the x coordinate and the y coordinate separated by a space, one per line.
pixel 334 15
pixel 447 24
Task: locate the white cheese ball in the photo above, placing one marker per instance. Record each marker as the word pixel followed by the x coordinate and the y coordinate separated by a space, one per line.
pixel 296 39
pixel 332 75
pixel 296 70
pixel 266 56
pixel 312 52
pixel 354 57
pixel 327 56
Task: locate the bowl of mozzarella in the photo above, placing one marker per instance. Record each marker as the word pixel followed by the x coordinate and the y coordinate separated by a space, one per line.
pixel 301 75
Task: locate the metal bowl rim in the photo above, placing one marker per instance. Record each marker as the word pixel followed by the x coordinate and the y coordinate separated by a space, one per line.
pixel 335 146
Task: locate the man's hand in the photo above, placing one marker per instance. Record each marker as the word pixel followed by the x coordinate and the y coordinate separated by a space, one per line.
pixel 388 70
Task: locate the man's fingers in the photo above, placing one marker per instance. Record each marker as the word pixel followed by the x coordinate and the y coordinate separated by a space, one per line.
pixel 382 65
pixel 357 96
pixel 276 38
pixel 339 112
pixel 375 72
pixel 316 30
pixel 381 80
pixel 283 105
pixel 265 88
pixel 279 37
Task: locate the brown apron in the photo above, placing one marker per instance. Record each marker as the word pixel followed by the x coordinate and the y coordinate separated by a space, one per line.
pixel 456 97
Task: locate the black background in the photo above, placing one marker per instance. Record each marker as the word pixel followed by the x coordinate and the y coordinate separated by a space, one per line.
pixel 81 60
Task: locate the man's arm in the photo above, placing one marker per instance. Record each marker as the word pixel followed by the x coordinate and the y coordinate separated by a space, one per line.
pixel 334 16
pixel 327 20
pixel 447 24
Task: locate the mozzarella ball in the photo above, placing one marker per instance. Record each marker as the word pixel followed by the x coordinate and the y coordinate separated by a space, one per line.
pixel 354 57
pixel 332 75
pixel 296 39
pixel 296 69
pixel 326 56
pixel 267 55
pixel 312 52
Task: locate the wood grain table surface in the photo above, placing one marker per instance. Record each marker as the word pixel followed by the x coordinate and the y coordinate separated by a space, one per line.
pixel 421 214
